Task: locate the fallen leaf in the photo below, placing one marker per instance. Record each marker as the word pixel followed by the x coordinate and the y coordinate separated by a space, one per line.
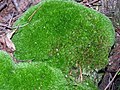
pixel 9 43
pixel 5 41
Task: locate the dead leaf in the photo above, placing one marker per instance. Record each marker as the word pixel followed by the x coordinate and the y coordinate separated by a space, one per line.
pixel 5 41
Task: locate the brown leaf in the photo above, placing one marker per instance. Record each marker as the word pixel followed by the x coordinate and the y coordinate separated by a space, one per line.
pixel 5 43
pixel 9 43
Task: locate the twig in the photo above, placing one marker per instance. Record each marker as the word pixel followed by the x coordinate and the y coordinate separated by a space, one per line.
pixel 2 6
pixel 29 19
pixel 2 28
pixel 21 61
pixel 88 3
pixel 5 25
pixel 94 1
pixel 112 79
pixel 80 76
pixel 85 1
pixel 11 19
pixel 20 26
pixel 16 5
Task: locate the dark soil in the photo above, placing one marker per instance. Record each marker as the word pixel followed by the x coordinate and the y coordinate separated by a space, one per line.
pixel 10 10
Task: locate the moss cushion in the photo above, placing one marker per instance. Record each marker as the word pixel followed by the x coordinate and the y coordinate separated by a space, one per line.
pixel 63 33
pixel 29 76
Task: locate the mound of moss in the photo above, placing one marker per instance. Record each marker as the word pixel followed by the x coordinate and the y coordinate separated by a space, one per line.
pixel 63 33
pixel 29 76
pixel 5 69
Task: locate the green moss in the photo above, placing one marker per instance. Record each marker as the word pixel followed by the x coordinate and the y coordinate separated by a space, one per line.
pixel 38 76
pixel 62 33
pixel 5 62
pixel 29 76
pixel 86 85
pixel 5 69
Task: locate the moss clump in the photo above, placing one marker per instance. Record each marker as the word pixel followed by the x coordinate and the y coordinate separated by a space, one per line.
pixel 5 69
pixel 63 33
pixel 26 76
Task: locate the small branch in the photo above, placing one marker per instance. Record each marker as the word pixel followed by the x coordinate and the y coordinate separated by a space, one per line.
pixel 11 19
pixel 88 3
pixel 5 25
pixel 29 19
pixel 112 79
pixel 94 1
pixel 80 76
pixel 19 26
pixel 85 1
pixel 21 61
pixel 2 5
pixel 15 2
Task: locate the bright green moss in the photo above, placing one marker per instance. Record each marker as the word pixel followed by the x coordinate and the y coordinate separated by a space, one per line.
pixel 5 69
pixel 63 33
pixel 29 76
pixel 5 62
pixel 37 76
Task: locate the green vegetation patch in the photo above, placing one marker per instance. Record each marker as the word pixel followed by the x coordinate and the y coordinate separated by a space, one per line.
pixel 86 85
pixel 5 69
pixel 29 76
pixel 62 33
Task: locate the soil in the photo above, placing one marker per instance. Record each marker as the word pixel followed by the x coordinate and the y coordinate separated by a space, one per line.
pixel 10 10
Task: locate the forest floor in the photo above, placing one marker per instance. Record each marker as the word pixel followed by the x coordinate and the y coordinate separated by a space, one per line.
pixel 10 10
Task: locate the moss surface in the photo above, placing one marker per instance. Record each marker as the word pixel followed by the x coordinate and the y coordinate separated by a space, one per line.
pixel 5 69
pixel 63 33
pixel 29 76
